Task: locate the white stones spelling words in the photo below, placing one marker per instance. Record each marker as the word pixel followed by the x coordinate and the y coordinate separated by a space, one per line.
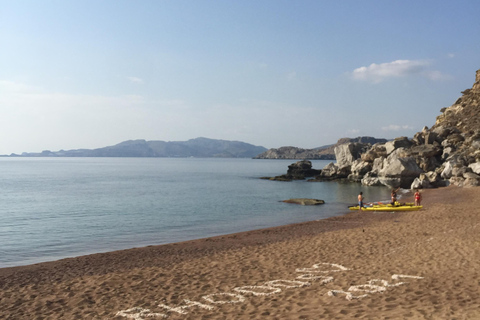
pixel 271 288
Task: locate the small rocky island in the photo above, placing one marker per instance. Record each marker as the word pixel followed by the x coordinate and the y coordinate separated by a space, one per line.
pixel 447 153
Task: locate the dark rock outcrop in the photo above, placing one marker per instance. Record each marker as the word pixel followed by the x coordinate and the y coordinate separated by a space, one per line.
pixel 302 169
pixel 297 171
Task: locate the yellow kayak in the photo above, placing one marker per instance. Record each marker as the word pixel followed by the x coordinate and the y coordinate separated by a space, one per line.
pixel 388 204
pixel 388 208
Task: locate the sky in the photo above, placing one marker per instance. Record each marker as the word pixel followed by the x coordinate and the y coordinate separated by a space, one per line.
pixel 89 74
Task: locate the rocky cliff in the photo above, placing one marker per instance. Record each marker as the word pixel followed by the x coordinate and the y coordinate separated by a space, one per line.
pixel 296 153
pixel 321 153
pixel 447 153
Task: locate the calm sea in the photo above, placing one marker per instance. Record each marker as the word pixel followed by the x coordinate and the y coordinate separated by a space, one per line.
pixel 53 208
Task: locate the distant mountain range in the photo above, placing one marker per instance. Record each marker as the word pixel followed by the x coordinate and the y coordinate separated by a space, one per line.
pixel 199 147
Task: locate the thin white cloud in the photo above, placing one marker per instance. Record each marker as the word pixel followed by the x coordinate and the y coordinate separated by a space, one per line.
pixel 395 127
pixel 399 68
pixel 135 79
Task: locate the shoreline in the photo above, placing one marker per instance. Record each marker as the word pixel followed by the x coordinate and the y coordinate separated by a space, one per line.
pixel 438 244
pixel 229 241
pixel 81 253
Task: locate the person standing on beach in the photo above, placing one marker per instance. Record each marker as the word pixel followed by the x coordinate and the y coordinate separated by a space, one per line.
pixel 418 198
pixel 394 195
pixel 360 201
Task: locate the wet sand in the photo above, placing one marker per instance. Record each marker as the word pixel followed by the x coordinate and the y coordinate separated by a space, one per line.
pixel 404 265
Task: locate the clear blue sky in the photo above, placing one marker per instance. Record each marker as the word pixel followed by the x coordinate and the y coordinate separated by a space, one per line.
pixel 87 74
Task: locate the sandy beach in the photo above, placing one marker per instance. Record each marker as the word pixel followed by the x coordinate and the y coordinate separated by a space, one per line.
pixel 410 265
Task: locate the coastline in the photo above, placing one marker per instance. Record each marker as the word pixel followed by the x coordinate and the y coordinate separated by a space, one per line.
pixel 439 244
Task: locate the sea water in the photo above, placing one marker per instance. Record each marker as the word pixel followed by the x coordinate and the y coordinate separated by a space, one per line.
pixel 53 208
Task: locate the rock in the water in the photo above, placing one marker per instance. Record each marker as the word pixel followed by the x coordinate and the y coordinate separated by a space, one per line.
pixel 301 170
pixel 305 201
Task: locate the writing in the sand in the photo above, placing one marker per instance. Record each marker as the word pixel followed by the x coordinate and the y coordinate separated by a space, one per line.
pixel 318 272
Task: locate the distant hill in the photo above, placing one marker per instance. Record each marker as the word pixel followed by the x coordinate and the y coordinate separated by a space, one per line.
pixel 199 147
pixel 320 153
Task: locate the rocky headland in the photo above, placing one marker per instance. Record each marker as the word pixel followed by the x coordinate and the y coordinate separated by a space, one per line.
pixel 448 153
pixel 320 153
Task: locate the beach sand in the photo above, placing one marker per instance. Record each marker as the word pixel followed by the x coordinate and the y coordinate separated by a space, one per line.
pixel 315 270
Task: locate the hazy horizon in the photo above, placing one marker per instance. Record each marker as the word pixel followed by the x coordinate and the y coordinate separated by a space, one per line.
pixel 322 146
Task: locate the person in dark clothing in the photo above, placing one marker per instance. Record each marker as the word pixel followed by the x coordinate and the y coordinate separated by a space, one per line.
pixel 394 195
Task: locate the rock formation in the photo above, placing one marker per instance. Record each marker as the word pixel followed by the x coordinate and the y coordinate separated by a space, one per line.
pixel 447 153
pixel 294 153
pixel 297 171
pixel 321 153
